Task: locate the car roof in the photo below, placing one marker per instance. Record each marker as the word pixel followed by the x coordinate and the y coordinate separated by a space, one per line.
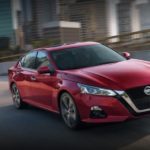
pixel 65 45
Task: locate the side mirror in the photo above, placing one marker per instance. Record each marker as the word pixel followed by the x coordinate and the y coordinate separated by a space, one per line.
pixel 126 55
pixel 45 69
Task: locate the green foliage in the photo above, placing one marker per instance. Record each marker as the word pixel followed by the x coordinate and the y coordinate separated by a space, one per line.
pixel 44 43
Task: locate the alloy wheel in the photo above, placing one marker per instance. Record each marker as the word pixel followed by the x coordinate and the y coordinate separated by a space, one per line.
pixel 16 96
pixel 68 111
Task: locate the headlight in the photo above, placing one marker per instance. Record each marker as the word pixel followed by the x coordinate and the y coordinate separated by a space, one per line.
pixel 86 89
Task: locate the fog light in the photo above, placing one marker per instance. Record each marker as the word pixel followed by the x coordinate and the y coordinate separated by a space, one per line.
pixel 96 108
pixel 97 112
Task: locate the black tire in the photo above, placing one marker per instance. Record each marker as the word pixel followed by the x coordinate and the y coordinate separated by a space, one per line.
pixel 69 112
pixel 19 104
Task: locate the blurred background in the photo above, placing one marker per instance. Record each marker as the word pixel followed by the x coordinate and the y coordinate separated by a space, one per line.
pixel 27 24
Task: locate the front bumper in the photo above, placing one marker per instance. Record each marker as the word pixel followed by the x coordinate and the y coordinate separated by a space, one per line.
pixel 116 108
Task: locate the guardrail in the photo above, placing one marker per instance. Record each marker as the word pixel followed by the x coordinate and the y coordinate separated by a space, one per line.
pixel 131 40
pixel 10 58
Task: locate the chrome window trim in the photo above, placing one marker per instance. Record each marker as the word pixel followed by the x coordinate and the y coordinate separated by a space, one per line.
pixel 125 96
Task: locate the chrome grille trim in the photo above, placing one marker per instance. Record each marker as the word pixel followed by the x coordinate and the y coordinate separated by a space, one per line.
pixel 125 96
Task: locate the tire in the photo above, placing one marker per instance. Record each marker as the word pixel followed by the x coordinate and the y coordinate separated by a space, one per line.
pixel 69 112
pixel 18 103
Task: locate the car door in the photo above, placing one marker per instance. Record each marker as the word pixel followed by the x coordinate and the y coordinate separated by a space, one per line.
pixel 44 85
pixel 25 71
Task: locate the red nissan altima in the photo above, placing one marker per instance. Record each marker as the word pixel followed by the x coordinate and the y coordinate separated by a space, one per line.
pixel 84 82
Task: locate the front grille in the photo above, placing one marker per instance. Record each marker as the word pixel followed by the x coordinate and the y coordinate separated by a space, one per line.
pixel 139 98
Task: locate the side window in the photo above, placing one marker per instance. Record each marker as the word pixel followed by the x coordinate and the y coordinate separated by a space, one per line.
pixel 42 60
pixel 29 60
pixel 22 61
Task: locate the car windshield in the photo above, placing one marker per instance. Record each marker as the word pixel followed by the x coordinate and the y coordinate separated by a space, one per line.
pixel 84 56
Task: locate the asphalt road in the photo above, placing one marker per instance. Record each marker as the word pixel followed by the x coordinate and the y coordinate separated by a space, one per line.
pixel 34 129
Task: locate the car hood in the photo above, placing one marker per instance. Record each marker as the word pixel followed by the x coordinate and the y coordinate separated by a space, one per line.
pixel 121 75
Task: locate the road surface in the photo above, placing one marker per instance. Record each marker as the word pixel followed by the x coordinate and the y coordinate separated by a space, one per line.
pixel 35 129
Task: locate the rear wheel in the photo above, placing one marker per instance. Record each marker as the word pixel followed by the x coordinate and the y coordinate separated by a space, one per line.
pixel 16 97
pixel 69 111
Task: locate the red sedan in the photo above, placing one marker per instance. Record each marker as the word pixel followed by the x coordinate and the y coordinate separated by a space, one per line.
pixel 84 82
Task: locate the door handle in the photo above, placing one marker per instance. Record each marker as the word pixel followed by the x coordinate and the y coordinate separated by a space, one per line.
pixel 33 78
pixel 17 72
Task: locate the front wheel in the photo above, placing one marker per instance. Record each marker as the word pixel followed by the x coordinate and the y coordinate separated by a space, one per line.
pixel 69 111
pixel 16 97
